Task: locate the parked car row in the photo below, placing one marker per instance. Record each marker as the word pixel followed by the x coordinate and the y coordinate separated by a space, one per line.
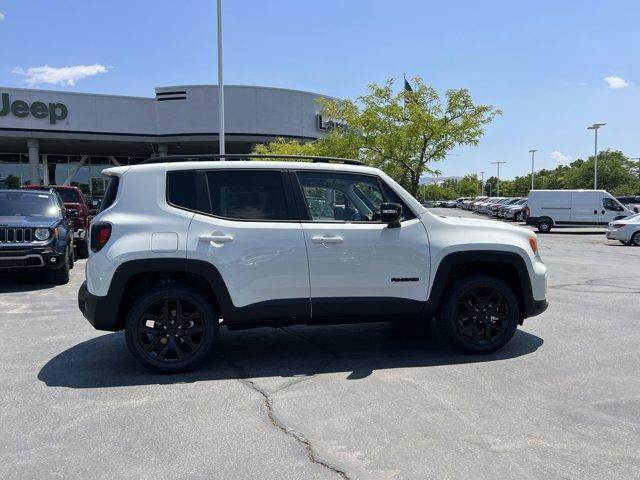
pixel 547 209
pixel 510 208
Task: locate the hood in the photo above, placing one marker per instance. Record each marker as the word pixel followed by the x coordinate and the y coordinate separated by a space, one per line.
pixel 20 221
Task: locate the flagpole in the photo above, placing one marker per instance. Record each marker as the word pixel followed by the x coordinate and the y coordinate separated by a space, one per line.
pixel 221 136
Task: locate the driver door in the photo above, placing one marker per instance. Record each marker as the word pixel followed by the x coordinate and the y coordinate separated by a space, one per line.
pixel 359 266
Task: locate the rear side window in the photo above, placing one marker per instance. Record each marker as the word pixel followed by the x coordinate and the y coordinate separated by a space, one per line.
pixel 110 193
pixel 247 195
pixel 181 189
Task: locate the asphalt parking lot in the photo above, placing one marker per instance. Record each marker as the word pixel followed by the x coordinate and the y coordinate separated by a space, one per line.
pixel 372 401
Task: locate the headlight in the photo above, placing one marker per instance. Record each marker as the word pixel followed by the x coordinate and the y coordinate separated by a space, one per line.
pixel 42 233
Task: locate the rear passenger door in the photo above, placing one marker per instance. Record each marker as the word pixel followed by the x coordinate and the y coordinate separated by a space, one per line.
pixel 246 227
pixel 359 267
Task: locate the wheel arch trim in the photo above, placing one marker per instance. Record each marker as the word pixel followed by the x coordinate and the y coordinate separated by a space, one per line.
pixel 454 259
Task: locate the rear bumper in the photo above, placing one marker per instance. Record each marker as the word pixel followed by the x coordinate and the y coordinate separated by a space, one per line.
pixel 99 311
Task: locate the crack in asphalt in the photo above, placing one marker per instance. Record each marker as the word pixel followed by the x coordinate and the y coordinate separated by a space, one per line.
pixel 276 422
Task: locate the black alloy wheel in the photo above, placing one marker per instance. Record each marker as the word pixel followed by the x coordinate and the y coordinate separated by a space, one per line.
pixel 171 329
pixel 479 314
pixel 482 316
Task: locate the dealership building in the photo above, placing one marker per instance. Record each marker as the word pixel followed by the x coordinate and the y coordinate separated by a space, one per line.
pixel 54 137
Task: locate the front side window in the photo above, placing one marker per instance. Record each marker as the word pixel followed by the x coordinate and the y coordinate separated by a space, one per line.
pixel 331 197
pixel 247 195
pixel 611 204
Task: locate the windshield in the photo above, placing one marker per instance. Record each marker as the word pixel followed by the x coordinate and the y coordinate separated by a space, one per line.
pixel 27 204
pixel 68 195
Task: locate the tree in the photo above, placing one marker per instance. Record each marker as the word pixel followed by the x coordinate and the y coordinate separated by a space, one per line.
pixel 468 186
pixel 399 132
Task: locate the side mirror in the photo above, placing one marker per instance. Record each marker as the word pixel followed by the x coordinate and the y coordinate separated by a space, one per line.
pixel 620 209
pixel 391 214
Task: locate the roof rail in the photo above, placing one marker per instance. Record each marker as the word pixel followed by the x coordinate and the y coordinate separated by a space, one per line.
pixel 214 157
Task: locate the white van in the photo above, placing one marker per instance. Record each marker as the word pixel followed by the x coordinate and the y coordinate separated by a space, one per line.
pixel 572 208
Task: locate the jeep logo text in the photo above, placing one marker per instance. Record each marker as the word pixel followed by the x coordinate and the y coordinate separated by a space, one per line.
pixel 21 109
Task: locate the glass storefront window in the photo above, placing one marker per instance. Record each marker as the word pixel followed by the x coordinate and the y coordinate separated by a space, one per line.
pixel 58 168
pixel 80 173
pixel 11 174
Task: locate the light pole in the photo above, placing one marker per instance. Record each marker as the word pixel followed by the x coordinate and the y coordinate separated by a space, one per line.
pixel 595 128
pixel 482 183
pixel 221 139
pixel 498 182
pixel 533 155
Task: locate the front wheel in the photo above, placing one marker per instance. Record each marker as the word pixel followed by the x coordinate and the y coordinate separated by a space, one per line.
pixel 82 248
pixel 518 217
pixel 171 329
pixel 60 276
pixel 635 239
pixel 479 314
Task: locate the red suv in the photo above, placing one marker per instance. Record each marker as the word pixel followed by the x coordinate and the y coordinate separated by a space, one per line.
pixel 77 213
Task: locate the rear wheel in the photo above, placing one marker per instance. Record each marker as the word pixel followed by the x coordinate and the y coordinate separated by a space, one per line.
pixel 479 314
pixel 544 226
pixel 635 239
pixel 171 329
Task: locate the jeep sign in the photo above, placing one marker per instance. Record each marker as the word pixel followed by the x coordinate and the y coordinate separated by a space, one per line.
pixel 21 109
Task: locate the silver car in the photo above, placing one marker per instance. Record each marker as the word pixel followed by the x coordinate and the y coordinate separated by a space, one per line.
pixel 625 230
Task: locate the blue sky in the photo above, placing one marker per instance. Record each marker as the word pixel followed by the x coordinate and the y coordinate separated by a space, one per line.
pixel 544 63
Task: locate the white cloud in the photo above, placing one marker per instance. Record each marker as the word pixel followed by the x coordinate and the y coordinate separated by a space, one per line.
pixel 58 75
pixel 560 157
pixel 2 17
pixel 616 82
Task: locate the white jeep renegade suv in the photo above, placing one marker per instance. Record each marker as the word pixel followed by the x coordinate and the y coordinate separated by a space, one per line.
pixel 180 247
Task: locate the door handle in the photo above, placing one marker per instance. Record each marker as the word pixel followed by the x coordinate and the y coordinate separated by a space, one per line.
pixel 216 238
pixel 325 239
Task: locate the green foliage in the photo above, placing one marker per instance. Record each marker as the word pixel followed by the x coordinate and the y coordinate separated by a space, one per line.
pixel 616 174
pixel 399 132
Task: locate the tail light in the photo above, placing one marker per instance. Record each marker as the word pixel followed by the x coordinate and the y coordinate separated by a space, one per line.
pixel 526 211
pixel 618 225
pixel 100 234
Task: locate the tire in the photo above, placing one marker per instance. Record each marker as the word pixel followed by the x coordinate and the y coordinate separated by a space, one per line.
pixel 72 258
pixel 518 217
pixel 624 242
pixel 544 226
pixel 160 351
pixel 82 249
pixel 60 276
pixel 498 318
pixel 635 239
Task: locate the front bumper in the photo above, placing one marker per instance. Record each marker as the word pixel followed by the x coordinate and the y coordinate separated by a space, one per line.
pixel 35 257
pixel 536 307
pixel 100 312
